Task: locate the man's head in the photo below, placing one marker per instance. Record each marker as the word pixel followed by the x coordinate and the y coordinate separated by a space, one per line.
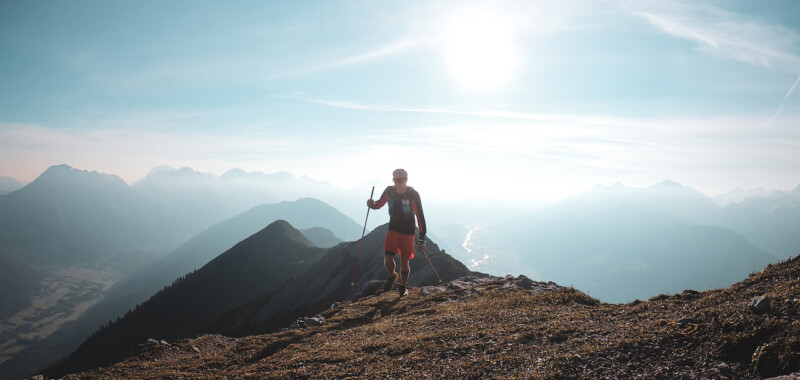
pixel 400 176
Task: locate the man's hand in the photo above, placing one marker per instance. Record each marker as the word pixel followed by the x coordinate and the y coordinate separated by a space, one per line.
pixel 421 243
pixel 370 203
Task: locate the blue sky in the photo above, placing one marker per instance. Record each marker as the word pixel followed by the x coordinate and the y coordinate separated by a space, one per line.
pixel 500 99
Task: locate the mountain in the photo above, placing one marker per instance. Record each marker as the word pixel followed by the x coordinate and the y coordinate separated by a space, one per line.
pixel 18 284
pixel 8 185
pixel 187 202
pixel 251 268
pixel 69 216
pixel 494 329
pixel 197 252
pixel 768 221
pixel 277 265
pixel 321 237
pixel 136 288
pixel 738 194
pixel 329 281
pixel 620 244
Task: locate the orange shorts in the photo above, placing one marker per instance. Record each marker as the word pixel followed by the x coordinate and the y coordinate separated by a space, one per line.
pixel 399 243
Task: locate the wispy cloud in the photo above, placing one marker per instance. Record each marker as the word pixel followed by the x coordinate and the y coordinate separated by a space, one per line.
pixel 379 52
pixel 480 113
pixel 783 103
pixel 722 33
pixel 726 35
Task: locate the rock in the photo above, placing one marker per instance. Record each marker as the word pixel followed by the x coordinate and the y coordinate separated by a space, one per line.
pixel 760 304
pixel 304 322
pixel 370 288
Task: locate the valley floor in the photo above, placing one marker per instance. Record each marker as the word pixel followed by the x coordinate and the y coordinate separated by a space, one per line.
pixel 66 293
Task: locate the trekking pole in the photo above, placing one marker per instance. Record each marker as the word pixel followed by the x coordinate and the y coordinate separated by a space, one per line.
pixel 429 263
pixel 361 244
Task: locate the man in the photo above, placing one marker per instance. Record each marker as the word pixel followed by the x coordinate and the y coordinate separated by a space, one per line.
pixel 404 205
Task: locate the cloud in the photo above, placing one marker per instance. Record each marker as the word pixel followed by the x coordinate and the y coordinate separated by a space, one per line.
pixel 479 113
pixel 379 52
pixel 722 33
pixel 783 103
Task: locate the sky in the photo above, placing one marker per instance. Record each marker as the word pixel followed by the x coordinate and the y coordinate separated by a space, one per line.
pixel 511 100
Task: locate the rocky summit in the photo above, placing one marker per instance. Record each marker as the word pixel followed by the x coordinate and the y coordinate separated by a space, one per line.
pixel 478 328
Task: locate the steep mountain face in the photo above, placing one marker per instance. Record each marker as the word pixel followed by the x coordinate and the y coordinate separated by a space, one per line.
pixel 500 331
pixel 620 244
pixel 69 216
pixel 18 284
pixel 251 268
pixel 329 281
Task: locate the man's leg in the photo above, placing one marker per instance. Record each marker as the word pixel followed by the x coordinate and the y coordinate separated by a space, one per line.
pixel 405 270
pixel 388 261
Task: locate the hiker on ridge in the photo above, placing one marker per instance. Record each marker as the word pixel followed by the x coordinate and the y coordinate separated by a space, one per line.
pixel 404 205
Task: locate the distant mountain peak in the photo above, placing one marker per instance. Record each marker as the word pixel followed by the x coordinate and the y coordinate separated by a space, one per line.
pixel 235 173
pixel 59 173
pixel 160 169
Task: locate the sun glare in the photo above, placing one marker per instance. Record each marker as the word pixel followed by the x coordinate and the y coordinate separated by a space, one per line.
pixel 479 48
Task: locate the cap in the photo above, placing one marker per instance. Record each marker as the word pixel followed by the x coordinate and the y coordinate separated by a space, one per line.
pixel 400 173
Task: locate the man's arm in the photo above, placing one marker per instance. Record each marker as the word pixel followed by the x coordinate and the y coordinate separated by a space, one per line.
pixel 381 201
pixel 417 204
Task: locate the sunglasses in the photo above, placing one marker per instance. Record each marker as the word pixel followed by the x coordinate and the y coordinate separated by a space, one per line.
pixel 399 179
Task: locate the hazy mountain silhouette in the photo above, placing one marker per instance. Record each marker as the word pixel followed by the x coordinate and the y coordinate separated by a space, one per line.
pixel 619 244
pixel 18 284
pixel 197 252
pixel 251 268
pixel 188 201
pixel 8 185
pixel 321 237
pixel 69 216
pixel 769 221
pixel 194 254
pixel 328 281
pixel 255 269
pixel 738 194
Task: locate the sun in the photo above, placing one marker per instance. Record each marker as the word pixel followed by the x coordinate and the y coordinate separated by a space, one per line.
pixel 479 48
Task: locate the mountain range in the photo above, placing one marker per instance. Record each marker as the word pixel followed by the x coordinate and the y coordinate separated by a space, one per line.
pixel 619 243
pixel 70 218
pixel 140 285
pixel 613 242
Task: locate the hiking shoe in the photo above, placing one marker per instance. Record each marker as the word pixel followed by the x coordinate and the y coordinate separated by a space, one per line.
pixel 402 290
pixel 390 282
